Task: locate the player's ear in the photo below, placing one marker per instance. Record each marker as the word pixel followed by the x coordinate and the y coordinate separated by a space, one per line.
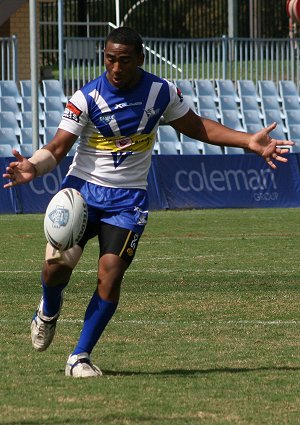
pixel 141 59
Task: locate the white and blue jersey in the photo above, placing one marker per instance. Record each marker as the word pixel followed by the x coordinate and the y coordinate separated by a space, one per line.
pixel 117 129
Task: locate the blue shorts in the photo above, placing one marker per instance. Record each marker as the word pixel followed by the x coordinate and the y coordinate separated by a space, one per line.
pixel 125 208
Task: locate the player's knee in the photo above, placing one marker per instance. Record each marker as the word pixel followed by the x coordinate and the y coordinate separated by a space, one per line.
pixel 68 258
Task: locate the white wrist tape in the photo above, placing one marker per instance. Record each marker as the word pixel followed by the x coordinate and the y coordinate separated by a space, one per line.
pixel 43 160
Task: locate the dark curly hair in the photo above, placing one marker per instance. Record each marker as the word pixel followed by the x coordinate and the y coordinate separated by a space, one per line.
pixel 126 36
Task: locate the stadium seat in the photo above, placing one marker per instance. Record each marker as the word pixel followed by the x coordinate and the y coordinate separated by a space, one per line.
pixel 290 103
pixel 212 149
pixel 9 88
pixel 230 119
pixel 288 88
pixel 25 86
pixel 26 106
pixel 186 88
pixel 227 103
pixel 205 88
pixel 53 104
pixel 211 114
pixel 9 104
pixel 168 134
pixel 230 150
pixel 226 88
pixel 186 139
pixel 251 117
pixel 207 103
pixel 268 88
pixel 254 128
pixel 190 148
pixel 53 88
pixel 26 150
pixel 167 148
pixel 278 133
pixel 5 150
pixel 247 88
pixel 292 117
pixel 26 136
pixel 48 134
pixel 26 121
pixel 270 103
pixel 294 133
pixel 273 115
pixel 249 103
pixel 52 118
pixel 8 137
pixel 9 120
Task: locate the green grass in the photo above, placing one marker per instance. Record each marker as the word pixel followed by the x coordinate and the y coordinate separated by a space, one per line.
pixel 207 330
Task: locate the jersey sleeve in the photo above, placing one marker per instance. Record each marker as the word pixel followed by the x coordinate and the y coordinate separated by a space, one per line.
pixel 177 107
pixel 75 117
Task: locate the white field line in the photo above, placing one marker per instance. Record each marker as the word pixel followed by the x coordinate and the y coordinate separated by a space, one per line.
pixel 178 323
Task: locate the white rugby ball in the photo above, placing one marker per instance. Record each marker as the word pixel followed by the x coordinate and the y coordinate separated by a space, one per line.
pixel 65 219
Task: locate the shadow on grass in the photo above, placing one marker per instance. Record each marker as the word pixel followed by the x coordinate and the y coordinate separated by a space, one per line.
pixel 193 372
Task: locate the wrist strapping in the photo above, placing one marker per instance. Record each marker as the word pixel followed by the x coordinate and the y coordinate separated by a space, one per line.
pixel 43 161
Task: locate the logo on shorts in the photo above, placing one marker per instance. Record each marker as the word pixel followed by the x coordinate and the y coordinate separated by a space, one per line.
pixel 142 216
pixel 59 217
pixel 130 252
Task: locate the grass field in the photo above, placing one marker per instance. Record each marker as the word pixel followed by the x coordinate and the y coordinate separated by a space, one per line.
pixel 207 330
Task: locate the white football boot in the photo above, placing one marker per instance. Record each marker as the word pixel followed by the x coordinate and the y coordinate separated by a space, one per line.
pixel 81 366
pixel 43 328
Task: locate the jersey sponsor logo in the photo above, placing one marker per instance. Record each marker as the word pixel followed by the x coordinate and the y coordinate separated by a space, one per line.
pixel 72 112
pixel 107 118
pixel 126 105
pixel 123 143
pixel 135 143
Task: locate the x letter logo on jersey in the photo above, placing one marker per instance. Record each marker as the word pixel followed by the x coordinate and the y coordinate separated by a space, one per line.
pixel 119 157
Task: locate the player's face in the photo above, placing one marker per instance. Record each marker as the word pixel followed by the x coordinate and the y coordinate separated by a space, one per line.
pixel 122 64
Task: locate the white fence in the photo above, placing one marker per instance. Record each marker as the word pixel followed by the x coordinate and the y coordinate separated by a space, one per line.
pixel 217 58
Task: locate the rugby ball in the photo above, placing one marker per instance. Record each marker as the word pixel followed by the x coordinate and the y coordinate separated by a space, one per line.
pixel 65 219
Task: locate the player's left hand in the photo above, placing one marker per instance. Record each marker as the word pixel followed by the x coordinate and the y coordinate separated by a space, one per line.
pixel 270 149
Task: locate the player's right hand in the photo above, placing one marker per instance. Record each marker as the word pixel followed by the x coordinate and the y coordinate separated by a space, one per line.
pixel 20 171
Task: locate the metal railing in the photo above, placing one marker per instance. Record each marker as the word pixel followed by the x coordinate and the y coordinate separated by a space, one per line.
pixel 214 58
pixel 9 58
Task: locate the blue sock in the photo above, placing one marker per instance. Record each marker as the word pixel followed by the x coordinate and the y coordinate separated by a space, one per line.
pixel 52 298
pixel 98 314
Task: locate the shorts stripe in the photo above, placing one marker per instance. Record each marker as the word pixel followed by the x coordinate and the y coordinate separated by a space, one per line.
pixel 125 244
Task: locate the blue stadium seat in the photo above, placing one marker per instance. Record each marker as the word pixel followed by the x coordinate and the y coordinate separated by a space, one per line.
pixel 254 128
pixel 5 150
pixel 227 103
pixel 26 150
pixel 230 150
pixel 292 117
pixel 48 134
pixel 52 118
pixel 190 102
pixel 212 149
pixel 249 103
pixel 186 139
pixel 290 103
pixel 167 148
pixel 9 120
pixel 26 136
pixel 251 117
pixel 53 88
pixel 9 104
pixel 168 134
pixel 9 88
pixel 230 119
pixel 26 106
pixel 53 104
pixel 247 88
pixel 207 103
pixel 227 88
pixel 26 121
pixel 210 114
pixel 25 86
pixel 205 88
pixel 273 115
pixel 190 148
pixel 270 103
pixel 8 137
pixel 288 88
pixel 268 88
